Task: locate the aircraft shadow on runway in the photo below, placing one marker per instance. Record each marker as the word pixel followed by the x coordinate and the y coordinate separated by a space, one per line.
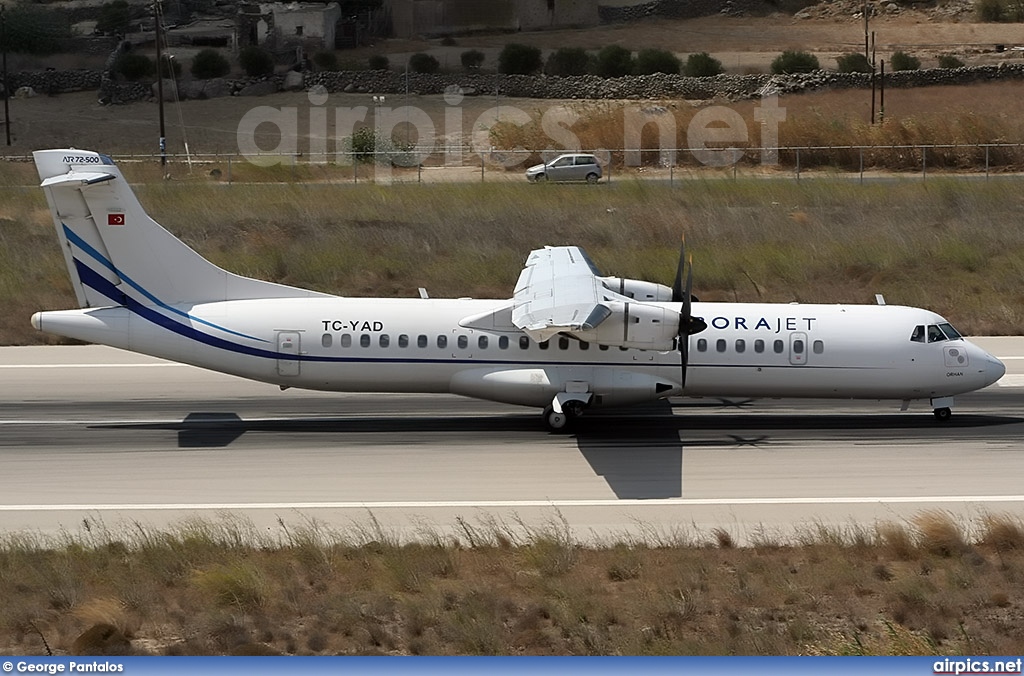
pixel 639 452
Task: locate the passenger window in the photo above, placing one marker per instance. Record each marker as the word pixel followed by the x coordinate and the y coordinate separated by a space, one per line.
pixel 327 340
pixel 385 340
pixel 403 340
pixel 759 346
pixel 421 340
pixel 482 342
pixel 463 342
pixel 741 345
pixel 346 340
pixel 779 347
pixel 524 342
pixel 364 340
pixel 442 341
pixel 798 346
pixel 818 347
pixel 503 343
pixel 918 335
pixel 544 345
pixel 702 345
pixel 563 343
pixel 935 334
pixel 720 345
pixel 584 345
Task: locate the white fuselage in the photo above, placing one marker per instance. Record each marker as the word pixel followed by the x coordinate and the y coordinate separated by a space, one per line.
pixel 469 347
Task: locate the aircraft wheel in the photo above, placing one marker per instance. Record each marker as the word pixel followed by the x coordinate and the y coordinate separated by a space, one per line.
pixel 555 421
pixel 943 414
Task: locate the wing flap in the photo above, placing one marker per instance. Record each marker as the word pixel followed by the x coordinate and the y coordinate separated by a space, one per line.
pixel 558 291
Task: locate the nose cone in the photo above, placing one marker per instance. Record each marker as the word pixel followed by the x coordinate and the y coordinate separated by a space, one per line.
pixel 37 321
pixel 994 369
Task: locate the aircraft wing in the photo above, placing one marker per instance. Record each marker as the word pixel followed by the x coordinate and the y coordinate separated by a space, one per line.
pixel 559 291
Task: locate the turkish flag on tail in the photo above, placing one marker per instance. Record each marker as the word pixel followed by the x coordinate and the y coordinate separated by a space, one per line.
pixel 115 219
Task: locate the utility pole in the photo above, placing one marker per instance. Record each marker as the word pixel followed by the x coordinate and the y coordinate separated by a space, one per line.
pixel 7 89
pixel 160 86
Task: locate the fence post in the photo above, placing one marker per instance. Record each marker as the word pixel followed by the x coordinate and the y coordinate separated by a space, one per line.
pixel 355 169
pixel 862 165
pixel 481 167
pixel 798 164
pixel 986 162
pixel 924 162
pixel 419 173
pixel 229 169
pixel 671 174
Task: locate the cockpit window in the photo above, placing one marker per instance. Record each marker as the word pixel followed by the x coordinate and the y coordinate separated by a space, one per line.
pixel 950 332
pixel 935 334
pixel 918 335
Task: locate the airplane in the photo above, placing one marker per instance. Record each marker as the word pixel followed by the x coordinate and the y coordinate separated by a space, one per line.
pixel 567 341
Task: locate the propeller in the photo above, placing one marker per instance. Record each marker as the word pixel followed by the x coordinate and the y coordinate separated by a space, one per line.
pixel 682 292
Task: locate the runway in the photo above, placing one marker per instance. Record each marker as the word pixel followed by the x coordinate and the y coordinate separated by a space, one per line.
pixel 89 432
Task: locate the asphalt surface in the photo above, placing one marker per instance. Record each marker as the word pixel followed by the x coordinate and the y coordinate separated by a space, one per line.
pixel 93 433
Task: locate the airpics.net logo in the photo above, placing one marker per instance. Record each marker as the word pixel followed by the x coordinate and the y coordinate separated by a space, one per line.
pixel 715 136
pixel 958 667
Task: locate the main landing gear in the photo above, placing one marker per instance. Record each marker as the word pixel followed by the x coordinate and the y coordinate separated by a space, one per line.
pixel 560 416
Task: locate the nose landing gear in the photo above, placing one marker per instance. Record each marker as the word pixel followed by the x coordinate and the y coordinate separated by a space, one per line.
pixel 942 407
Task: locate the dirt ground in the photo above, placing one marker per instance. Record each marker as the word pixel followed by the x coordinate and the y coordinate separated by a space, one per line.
pixel 748 44
pixel 744 44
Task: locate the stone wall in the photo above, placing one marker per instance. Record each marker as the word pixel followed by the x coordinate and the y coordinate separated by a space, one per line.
pixel 658 86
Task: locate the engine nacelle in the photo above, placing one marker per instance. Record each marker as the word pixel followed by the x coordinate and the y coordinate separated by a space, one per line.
pixel 634 325
pixel 647 292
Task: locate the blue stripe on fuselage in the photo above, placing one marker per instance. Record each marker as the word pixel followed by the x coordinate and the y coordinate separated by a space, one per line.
pixel 102 260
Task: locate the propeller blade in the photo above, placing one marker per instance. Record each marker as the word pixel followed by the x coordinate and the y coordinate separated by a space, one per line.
pixel 688 324
pixel 677 285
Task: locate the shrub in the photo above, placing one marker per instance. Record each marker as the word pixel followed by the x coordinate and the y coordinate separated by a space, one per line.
pixel 902 61
pixel 518 59
pixel 568 61
pixel 170 68
pixel 114 17
pixel 950 61
pixel 853 63
pixel 702 65
pixel 472 59
pixel 256 61
pixel 795 62
pixel 650 61
pixel 990 10
pixel 366 145
pixel 35 30
pixel 423 63
pixel 209 64
pixel 134 66
pixel 378 62
pixel 614 61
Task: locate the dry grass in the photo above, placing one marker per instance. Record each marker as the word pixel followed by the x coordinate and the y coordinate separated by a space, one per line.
pixel 832 119
pixel 509 590
pixel 948 244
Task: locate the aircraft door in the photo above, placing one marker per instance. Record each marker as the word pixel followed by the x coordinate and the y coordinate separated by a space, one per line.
pixel 288 345
pixel 798 349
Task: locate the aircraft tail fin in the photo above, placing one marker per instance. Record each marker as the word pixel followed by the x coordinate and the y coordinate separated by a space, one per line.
pixel 115 252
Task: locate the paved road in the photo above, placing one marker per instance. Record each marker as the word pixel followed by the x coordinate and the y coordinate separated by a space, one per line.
pixel 89 431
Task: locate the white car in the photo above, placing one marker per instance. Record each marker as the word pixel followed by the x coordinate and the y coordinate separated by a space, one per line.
pixel 568 167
